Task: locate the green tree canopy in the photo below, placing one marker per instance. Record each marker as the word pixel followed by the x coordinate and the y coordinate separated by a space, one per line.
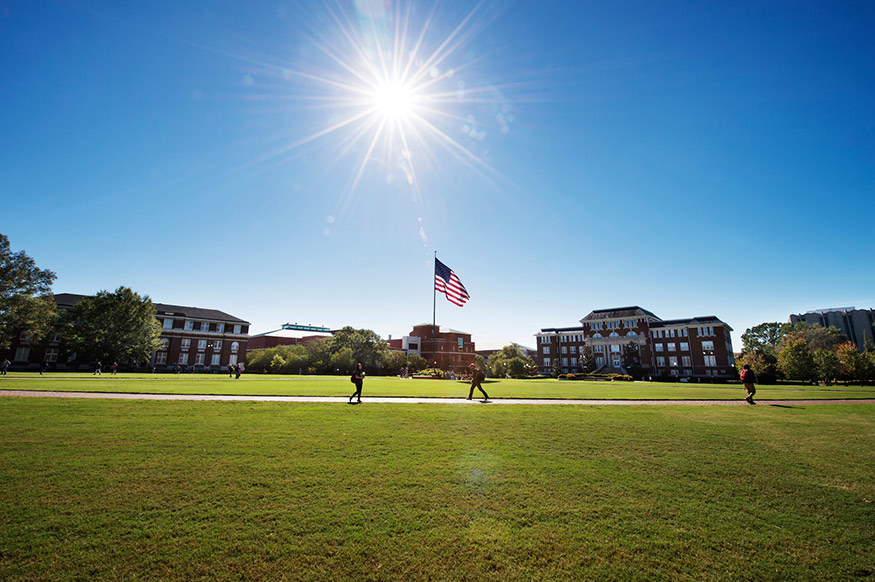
pixel 764 338
pixel 795 360
pixel 118 326
pixel 26 302
pixel 367 347
pixel 511 360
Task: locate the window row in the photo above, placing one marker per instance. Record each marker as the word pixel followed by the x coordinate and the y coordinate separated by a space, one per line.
pixel 663 333
pixel 189 325
pixel 202 345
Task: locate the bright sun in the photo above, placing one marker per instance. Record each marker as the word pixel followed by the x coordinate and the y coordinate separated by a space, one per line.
pixel 394 101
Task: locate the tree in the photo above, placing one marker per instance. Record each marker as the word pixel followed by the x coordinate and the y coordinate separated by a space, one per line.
pixel 118 326
pixel 795 360
pixel 26 302
pixel 367 347
pixel 587 359
pixel 816 336
pixel 500 362
pixel 826 365
pixel 415 362
pixel 342 361
pixel 632 360
pixel 393 362
pixel 853 364
pixel 764 338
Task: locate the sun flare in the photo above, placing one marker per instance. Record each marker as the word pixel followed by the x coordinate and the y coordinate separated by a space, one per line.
pixel 394 101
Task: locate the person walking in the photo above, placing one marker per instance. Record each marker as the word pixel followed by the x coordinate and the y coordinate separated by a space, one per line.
pixel 477 376
pixel 4 366
pixel 98 367
pixel 238 370
pixel 357 378
pixel 748 378
pixel 114 368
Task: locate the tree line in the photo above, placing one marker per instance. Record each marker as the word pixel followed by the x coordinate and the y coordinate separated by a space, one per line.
pixel 804 352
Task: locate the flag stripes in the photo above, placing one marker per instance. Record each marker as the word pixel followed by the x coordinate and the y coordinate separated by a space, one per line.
pixel 446 282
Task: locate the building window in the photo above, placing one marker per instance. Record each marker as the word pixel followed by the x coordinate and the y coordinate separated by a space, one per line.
pixel 616 362
pixel 215 360
pixel 711 360
pixel 670 346
pixel 686 360
pixel 631 334
pixel 232 360
pixel 546 361
pixel 161 358
pixel 217 345
pixel 688 372
pixel 706 330
pixel 199 359
pixel 205 326
pixel 546 349
pixel 186 343
pixel 615 348
pixel 237 328
pixel 461 342
pixel 564 349
pixel 708 346
pixel 599 361
pixel 599 349
pixel 565 362
pixel 220 328
pixel 236 346
pixel 673 361
pixel 189 325
pixel 657 347
pixel 684 332
pixel 164 343
pixel 597 336
pixel 595 325
pixel 168 324
pixel 660 361
pixel 201 345
pixel 22 354
pixel 51 355
pixel 573 349
pixel 183 358
pixel 573 361
pixel 685 347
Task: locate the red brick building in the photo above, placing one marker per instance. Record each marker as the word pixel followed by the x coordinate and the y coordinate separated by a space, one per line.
pixel 191 337
pixel 698 347
pixel 447 349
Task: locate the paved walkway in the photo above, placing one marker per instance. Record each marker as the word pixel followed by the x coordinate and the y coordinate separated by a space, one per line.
pixel 394 400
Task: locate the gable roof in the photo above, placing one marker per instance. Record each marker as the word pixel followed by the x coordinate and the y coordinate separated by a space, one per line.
pixel 67 300
pixel 619 312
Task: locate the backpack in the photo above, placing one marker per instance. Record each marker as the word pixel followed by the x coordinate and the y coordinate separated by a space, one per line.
pixel 352 378
pixel 745 376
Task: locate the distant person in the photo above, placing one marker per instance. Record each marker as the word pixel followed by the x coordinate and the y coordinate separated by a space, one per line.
pixel 238 369
pixel 477 376
pixel 230 370
pixel 114 368
pixel 748 378
pixel 4 366
pixel 43 367
pixel 98 368
pixel 357 378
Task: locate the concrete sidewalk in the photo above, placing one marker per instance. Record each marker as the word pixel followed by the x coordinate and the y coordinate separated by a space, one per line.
pixel 396 400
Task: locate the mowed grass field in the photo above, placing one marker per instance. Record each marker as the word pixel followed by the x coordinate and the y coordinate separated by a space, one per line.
pixel 169 490
pixel 269 385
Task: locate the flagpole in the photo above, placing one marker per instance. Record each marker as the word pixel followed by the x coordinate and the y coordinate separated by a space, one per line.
pixel 433 296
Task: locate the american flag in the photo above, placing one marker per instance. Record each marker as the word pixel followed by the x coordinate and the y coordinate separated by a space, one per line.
pixel 447 283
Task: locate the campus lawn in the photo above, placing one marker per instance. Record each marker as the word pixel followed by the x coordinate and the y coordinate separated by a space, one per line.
pixel 155 490
pixel 271 385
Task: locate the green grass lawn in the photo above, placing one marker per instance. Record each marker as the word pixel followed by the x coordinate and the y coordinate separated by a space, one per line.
pixel 268 385
pixel 150 490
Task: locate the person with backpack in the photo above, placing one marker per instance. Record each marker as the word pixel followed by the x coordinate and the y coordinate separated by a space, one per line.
pixel 748 378
pixel 357 378
pixel 477 376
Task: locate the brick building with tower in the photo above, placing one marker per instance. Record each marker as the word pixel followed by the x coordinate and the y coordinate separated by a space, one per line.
pixel 693 348
pixel 443 348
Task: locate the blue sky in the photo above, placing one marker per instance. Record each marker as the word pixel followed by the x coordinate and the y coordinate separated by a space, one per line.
pixel 691 158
